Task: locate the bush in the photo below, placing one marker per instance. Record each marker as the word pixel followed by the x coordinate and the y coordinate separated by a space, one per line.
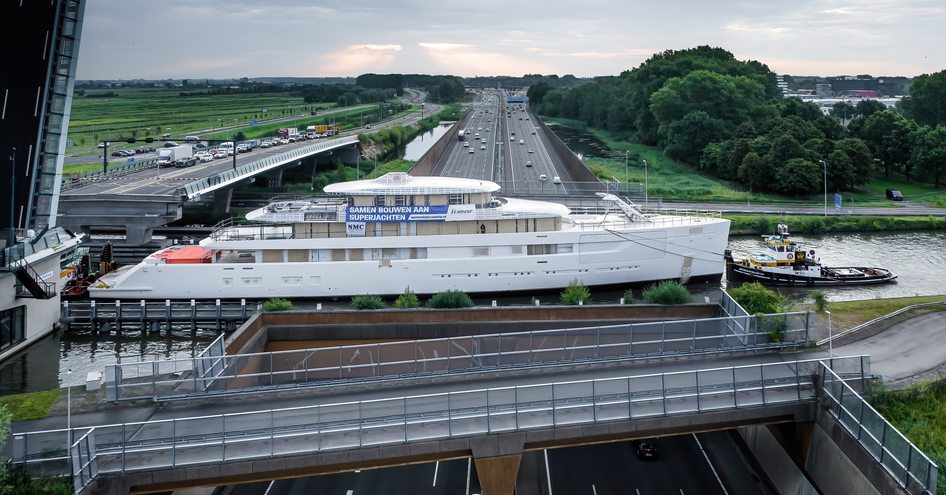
pixel 450 299
pixel 18 481
pixel 407 300
pixel 574 293
pixel 667 292
pixel 821 300
pixel 629 296
pixel 367 302
pixel 277 304
pixel 756 298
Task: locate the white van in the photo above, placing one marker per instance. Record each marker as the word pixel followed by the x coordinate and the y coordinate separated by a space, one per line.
pixel 228 147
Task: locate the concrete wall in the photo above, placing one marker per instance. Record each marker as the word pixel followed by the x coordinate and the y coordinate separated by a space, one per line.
pixel 578 171
pixel 782 471
pixel 837 463
pixel 429 160
pixel 41 314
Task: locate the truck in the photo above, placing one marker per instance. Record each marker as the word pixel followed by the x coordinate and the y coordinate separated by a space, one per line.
pixel 310 132
pixel 291 133
pixel 460 135
pixel 182 153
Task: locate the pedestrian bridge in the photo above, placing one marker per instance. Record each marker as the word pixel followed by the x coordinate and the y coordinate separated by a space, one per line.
pixel 494 425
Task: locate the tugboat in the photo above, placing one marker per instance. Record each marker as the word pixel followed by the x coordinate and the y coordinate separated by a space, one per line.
pixel 785 263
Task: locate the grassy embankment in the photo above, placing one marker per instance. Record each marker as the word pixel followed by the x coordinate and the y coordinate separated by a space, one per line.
pixel 750 224
pixel 670 179
pixel 30 405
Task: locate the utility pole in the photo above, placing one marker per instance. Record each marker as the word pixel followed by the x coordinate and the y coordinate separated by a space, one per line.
pixel 625 171
pixel 11 241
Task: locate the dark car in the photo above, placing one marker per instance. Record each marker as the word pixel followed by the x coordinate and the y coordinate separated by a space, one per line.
pixel 646 449
pixel 894 195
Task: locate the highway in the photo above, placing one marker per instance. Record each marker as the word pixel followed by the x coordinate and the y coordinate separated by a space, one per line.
pixel 155 181
pixel 503 144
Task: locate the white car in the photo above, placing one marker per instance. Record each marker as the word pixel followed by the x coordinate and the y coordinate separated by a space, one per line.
pixel 482 146
pixel 220 154
pixel 466 144
pixel 204 157
pixel 543 177
pixel 471 150
pixel 530 150
pixel 556 180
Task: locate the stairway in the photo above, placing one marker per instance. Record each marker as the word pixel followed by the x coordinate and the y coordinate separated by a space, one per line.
pixel 30 281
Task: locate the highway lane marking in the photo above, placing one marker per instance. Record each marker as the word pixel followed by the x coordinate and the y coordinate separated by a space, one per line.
pixel 548 475
pixel 594 491
pixel 720 481
pixel 469 468
pixel 436 468
pixel 270 487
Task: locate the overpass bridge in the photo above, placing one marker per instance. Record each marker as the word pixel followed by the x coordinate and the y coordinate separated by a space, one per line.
pixel 492 399
pixel 151 197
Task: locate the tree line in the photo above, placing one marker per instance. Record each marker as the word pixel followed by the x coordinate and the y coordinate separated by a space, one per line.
pixel 728 119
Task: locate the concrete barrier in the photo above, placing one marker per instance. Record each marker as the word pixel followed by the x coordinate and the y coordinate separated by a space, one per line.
pixel 425 165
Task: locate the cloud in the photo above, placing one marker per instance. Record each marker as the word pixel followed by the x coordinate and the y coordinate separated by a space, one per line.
pixel 443 46
pixel 355 59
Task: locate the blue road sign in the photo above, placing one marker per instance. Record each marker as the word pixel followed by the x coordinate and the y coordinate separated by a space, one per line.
pixel 838 203
pixel 252 122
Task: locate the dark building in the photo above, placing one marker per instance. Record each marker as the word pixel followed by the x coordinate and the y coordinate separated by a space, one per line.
pixel 847 84
pixel 41 44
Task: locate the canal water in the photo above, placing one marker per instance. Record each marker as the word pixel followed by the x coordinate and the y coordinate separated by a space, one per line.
pixel 423 142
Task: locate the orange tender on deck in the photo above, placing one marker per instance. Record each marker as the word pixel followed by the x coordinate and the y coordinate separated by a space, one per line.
pixel 184 255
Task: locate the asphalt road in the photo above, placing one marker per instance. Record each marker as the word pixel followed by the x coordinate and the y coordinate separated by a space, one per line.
pixel 504 145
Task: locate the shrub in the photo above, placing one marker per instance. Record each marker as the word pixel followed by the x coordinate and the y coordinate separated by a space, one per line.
pixel 756 298
pixel 821 300
pixel 667 292
pixel 277 304
pixel 407 300
pixel 367 302
pixel 574 293
pixel 450 299
pixel 629 296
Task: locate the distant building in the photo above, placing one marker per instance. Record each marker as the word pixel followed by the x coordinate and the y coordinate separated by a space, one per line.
pixel 846 84
pixel 37 97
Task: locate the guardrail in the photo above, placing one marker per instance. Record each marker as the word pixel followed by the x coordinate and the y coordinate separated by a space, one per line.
pixel 170 379
pixel 907 464
pixel 118 449
pixel 74 180
pixel 878 320
pixel 194 189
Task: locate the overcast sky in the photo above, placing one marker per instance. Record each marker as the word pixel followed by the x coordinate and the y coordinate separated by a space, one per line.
pixel 130 39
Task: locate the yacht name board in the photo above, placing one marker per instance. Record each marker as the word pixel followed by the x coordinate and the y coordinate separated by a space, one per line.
pixel 435 213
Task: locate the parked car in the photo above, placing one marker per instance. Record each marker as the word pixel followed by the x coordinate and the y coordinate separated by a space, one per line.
pixel 894 195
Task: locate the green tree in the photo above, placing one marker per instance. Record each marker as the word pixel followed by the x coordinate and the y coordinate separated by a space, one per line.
pixel 876 131
pixel 843 111
pixel 687 137
pixel 866 108
pixel 929 153
pixel 927 101
pixel 754 172
pixel 798 176
pixel 537 92
pixel 861 160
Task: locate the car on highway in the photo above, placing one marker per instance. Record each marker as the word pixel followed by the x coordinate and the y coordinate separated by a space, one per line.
pixel 220 154
pixel 170 144
pixel 556 180
pixel 204 157
pixel 530 150
pixel 266 144
pixel 118 153
pixel 646 449
pixel 471 150
pixel 466 144
pixel 482 146
pixel 543 177
pixel 529 163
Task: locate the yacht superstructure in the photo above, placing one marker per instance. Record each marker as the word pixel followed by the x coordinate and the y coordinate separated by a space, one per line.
pixel 426 234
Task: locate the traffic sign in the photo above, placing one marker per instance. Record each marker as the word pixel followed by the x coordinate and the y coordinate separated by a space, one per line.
pixel 838 203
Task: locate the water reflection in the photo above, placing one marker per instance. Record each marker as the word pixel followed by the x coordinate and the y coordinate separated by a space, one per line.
pixel 424 141
pixel 584 144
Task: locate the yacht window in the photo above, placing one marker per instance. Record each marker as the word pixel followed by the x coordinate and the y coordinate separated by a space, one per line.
pixel 426 200
pixel 565 248
pixel 418 253
pixel 297 255
pixel 388 253
pixel 338 255
pixel 351 201
pixel 356 255
pixel 515 249
pixel 481 251
pixel 455 199
pixel 379 200
pixel 400 200
pixel 273 256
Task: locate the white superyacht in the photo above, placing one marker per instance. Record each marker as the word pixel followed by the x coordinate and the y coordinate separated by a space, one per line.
pixel 425 234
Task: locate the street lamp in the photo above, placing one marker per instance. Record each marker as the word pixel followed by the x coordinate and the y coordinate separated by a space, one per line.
pixel 625 170
pixel 830 340
pixel 68 409
pixel 825 165
pixel 645 183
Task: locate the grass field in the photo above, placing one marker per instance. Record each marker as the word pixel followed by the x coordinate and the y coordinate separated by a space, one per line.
pixel 667 178
pixel 813 224
pixel 849 314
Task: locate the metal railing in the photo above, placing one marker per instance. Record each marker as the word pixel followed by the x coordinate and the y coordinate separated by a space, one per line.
pixel 194 189
pixel 170 443
pixel 74 180
pixel 907 464
pixel 879 319
pixel 169 379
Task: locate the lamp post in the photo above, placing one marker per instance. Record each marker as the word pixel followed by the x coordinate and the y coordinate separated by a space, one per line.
pixel 825 165
pixel 625 170
pixel 68 409
pixel 11 240
pixel 830 340
pixel 645 183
